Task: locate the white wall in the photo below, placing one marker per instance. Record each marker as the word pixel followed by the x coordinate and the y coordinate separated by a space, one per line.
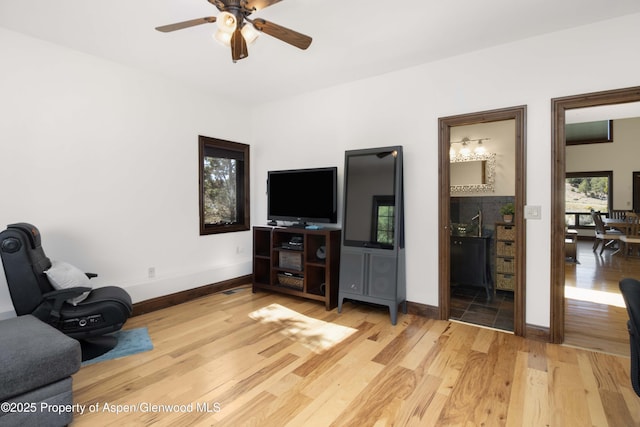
pixel 403 108
pixel 103 159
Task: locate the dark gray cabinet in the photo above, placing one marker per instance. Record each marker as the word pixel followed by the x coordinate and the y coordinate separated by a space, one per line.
pixel 373 276
pixel 372 258
pixel 470 263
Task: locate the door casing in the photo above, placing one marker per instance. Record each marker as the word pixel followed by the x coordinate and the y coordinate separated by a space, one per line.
pixel 519 114
pixel 558 171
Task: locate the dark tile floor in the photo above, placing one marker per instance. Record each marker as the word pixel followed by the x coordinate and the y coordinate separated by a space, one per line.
pixel 470 304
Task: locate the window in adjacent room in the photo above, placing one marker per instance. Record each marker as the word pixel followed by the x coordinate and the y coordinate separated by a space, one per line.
pixel 224 185
pixel 584 192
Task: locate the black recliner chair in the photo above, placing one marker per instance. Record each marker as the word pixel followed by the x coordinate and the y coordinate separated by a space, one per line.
pixel 104 310
pixel 630 289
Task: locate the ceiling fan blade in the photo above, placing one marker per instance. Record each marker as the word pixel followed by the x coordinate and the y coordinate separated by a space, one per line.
pixel 294 38
pixel 259 4
pixel 186 24
pixel 238 46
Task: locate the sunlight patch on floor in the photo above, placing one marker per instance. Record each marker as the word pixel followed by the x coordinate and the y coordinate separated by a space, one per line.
pixel 316 335
pixel 592 295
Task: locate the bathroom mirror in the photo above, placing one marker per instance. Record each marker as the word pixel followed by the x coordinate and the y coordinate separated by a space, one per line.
pixel 473 173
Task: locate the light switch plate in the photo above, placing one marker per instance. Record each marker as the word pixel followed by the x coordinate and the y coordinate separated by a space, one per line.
pixel 532 212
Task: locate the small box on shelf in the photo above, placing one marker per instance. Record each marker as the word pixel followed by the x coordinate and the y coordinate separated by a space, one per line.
pixel 291 260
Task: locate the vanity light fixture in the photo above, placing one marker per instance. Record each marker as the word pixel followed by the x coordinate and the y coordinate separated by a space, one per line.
pixel 465 151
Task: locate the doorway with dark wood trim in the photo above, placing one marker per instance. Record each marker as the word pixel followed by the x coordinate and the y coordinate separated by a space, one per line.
pixel 518 114
pixel 559 107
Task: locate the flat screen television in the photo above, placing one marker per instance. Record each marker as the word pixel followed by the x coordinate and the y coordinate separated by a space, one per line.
pixel 303 195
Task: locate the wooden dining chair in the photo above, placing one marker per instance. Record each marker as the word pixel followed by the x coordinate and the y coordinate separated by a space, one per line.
pixel 617 214
pixel 604 235
pixel 632 239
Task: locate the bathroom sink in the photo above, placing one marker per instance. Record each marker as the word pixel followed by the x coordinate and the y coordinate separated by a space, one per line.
pixel 458 229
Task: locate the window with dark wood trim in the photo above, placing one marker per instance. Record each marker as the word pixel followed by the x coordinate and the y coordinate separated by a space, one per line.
pixel 587 191
pixel 224 185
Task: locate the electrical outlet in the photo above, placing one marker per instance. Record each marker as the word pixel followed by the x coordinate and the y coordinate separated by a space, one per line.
pixel 239 249
pixel 152 272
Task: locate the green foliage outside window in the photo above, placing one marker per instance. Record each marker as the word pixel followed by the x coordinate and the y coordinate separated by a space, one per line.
pixel 385 224
pixel 220 190
pixel 224 186
pixel 586 192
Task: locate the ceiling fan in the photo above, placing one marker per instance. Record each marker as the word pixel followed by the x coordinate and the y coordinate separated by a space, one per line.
pixel 236 30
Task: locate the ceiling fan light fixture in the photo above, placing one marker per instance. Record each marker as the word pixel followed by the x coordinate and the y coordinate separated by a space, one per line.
pixel 223 38
pixel 249 33
pixel 236 30
pixel 227 22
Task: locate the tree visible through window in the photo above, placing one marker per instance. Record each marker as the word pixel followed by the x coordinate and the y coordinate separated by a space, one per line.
pixel 383 220
pixel 224 186
pixel 220 190
pixel 587 191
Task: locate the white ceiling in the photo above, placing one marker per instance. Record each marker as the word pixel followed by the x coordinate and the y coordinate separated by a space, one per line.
pixel 352 39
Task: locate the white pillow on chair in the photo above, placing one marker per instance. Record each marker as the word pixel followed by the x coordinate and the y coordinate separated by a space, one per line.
pixel 63 275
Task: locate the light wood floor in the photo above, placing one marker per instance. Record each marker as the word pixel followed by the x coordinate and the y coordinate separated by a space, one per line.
pixel 597 324
pixel 272 360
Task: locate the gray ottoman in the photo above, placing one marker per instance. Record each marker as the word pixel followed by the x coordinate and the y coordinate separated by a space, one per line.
pixel 36 364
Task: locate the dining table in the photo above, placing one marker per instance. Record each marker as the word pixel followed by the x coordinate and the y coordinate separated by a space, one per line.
pixel 622 224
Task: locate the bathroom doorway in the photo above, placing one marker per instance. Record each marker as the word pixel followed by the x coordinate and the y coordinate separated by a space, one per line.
pixel 470 219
